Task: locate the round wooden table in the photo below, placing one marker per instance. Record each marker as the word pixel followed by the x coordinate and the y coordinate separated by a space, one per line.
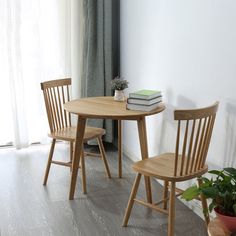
pixel 216 228
pixel 107 108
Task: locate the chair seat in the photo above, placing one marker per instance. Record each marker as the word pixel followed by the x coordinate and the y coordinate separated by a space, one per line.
pixel 69 133
pixel 162 167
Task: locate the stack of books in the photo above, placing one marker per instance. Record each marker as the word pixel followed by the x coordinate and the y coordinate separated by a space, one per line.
pixel 144 100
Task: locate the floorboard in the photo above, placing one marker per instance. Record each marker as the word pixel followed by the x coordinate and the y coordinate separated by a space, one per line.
pixel 29 208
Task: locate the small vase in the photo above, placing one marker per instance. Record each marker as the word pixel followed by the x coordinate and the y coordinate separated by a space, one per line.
pixel 119 95
pixel 228 221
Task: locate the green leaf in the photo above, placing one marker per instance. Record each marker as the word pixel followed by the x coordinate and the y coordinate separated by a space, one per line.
pixel 191 193
pixel 212 206
pixel 210 192
pixel 206 185
pixel 216 172
pixel 227 179
pixel 230 170
pixel 206 180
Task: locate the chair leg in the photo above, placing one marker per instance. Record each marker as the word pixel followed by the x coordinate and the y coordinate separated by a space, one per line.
pixel 84 186
pixel 71 153
pixel 165 194
pixel 171 219
pixel 103 154
pixel 131 199
pixel 120 148
pixel 204 205
pixel 49 162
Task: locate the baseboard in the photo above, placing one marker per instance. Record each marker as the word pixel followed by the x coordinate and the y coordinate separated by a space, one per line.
pixel 130 154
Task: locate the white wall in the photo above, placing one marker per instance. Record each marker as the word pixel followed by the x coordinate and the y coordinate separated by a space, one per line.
pixel 187 49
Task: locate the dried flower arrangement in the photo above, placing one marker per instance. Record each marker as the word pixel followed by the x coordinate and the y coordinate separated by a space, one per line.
pixel 119 84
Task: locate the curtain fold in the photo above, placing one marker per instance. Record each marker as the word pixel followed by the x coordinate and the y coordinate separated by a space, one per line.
pixel 34 45
pixel 100 53
pixel 43 40
pixel 77 29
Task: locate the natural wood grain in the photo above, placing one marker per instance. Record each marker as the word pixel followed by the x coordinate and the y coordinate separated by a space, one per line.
pixel 67 164
pixel 177 149
pixel 208 138
pixel 71 152
pixel 163 166
pixel 189 159
pixel 49 162
pixel 29 209
pixel 69 133
pixel 174 167
pixel 120 148
pixel 131 199
pixel 103 155
pixel 193 114
pixel 165 194
pixel 200 146
pixel 144 153
pixel 184 149
pixel 77 155
pixel 152 206
pixel 54 83
pixel 56 94
pixel 171 218
pixel 108 108
pixel 83 171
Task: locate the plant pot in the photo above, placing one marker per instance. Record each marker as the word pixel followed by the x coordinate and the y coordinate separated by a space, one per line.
pixel 228 221
pixel 119 95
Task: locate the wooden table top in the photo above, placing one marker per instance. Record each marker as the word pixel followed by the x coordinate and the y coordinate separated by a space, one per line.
pixel 107 108
pixel 216 228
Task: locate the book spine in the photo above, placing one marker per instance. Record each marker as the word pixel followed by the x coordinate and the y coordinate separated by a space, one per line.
pixel 143 108
pixel 136 96
pixel 143 104
pixel 143 101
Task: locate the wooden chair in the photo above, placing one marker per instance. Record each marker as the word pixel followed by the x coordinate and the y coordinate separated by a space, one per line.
pixel 193 135
pixel 56 93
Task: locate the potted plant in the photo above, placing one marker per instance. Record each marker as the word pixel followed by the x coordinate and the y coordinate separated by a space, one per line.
pixel 118 84
pixel 221 190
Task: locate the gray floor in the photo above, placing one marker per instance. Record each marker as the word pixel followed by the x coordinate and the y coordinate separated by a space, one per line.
pixel 29 208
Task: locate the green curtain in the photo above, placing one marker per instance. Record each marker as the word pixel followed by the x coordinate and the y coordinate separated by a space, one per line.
pixel 100 53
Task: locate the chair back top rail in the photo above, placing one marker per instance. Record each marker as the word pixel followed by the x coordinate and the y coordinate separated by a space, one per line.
pixel 56 94
pixel 194 133
pixel 55 83
pixel 196 113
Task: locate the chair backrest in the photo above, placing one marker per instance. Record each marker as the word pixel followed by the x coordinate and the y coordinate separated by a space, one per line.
pixel 193 138
pixel 56 93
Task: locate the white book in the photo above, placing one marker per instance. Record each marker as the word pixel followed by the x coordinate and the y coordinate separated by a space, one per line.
pixel 144 101
pixel 137 107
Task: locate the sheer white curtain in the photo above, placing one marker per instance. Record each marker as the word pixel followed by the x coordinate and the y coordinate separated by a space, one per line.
pixel 35 46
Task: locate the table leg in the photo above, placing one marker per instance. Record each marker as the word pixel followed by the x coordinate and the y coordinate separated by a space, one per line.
pixel 144 152
pixel 120 148
pixel 77 154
